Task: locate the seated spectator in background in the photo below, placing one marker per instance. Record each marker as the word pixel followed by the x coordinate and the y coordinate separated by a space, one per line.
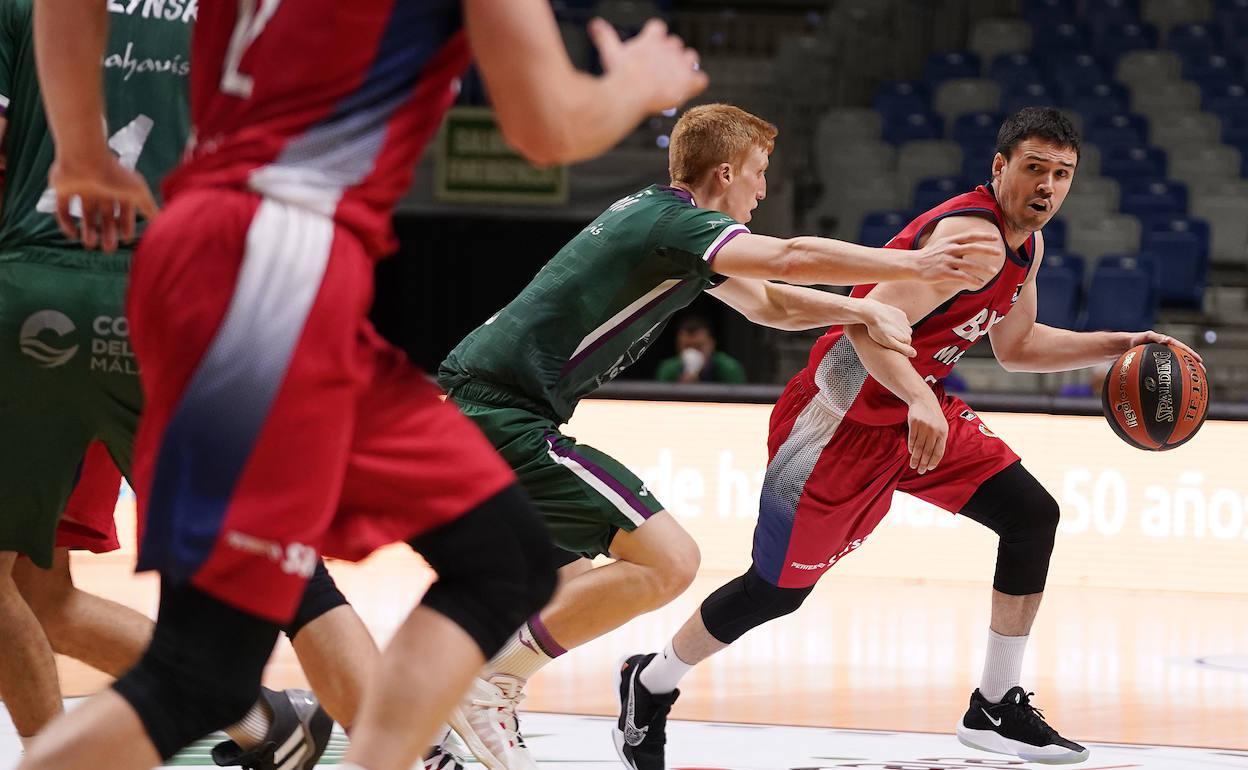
pixel 696 358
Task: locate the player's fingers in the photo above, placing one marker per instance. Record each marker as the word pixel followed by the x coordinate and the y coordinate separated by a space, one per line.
pixel 938 452
pixel 606 40
pixel 654 28
pixel 901 347
pixel 65 220
pixel 88 227
pixel 108 227
pixel 919 455
pixel 146 204
pixel 126 217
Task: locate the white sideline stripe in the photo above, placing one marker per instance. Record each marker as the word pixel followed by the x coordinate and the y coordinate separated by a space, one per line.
pixel 599 487
pixel 619 317
pixel 725 235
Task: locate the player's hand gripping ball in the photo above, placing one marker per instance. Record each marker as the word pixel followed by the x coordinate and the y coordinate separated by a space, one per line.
pixel 1155 397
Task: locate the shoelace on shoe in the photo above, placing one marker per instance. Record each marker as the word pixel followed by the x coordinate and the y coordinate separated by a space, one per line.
pixel 1033 714
pixel 508 701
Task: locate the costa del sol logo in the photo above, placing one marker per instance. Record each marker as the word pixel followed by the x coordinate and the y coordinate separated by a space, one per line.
pixel 39 335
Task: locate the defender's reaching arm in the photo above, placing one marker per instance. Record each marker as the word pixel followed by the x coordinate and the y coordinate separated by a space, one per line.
pixel 962 258
pixel 794 308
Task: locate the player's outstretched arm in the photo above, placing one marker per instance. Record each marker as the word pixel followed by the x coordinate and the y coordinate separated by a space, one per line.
pixel 966 257
pixel 795 308
pixel 1023 345
pixel 548 110
pixel 70 38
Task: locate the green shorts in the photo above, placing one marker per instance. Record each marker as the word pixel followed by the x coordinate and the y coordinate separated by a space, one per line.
pixel 583 494
pixel 67 376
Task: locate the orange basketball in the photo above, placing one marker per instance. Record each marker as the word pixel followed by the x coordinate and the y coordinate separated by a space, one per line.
pixel 1155 397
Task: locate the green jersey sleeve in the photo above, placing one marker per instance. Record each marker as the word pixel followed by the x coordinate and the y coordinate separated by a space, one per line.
pixel 9 47
pixel 694 236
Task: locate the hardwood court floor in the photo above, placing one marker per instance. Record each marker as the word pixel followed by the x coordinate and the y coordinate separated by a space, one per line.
pixel 1107 665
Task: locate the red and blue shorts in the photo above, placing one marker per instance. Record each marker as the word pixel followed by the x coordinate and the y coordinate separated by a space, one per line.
pixel 831 480
pixel 278 425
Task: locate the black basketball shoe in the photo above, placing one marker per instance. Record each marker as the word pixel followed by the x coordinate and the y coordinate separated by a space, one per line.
pixel 641 731
pixel 297 737
pixel 1017 728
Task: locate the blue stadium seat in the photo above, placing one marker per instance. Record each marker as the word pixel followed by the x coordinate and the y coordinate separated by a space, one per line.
pixel 1098 100
pixel 913 126
pixel 1131 163
pixel 976 128
pixel 934 191
pixel 1153 198
pixel 900 97
pixel 1055 237
pixel 1145 263
pixel 1013 69
pixel 1230 102
pixel 879 227
pixel 1193 38
pixel 1233 31
pixel 1060 36
pixel 1057 296
pixel 1123 130
pixel 1202 66
pixel 1100 13
pixel 1049 11
pixel 1067 68
pixel 1119 300
pixel 950 66
pixel 1058 258
pixel 1030 95
pixel 977 162
pixel 1181 248
pixel 1113 40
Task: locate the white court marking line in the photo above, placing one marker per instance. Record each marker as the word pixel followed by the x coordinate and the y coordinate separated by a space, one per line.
pixel 584 743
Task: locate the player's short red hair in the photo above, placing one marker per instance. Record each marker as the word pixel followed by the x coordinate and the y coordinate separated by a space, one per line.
pixel 711 134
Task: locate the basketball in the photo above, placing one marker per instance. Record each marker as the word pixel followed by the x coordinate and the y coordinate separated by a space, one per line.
pixel 1155 397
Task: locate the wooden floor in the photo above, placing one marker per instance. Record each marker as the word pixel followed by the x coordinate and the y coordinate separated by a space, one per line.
pixel 1107 665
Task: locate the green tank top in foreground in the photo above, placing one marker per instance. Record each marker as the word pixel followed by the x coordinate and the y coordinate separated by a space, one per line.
pixel 594 309
pixel 146 86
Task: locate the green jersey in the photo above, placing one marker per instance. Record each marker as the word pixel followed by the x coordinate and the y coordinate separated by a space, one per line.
pixel 148 115
pixel 595 308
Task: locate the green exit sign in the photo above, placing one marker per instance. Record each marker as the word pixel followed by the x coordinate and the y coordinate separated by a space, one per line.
pixel 475 165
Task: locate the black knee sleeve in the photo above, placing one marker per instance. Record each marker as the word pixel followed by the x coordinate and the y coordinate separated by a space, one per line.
pixel 1025 516
pixel 495 568
pixel 201 671
pixel 747 602
pixel 320 595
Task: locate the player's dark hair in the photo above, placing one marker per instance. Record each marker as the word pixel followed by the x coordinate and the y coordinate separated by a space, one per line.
pixel 695 323
pixel 1044 123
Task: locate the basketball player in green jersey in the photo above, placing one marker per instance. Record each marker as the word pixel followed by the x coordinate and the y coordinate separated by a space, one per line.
pixel 590 313
pixel 67 377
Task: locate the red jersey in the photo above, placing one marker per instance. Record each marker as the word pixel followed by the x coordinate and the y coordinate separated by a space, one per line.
pixel 325 104
pixel 940 339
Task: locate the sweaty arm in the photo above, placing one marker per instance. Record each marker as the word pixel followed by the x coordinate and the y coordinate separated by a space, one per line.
pixel 70 39
pixel 548 110
pixel 794 308
pixel 927 424
pixel 965 258
pixel 1023 345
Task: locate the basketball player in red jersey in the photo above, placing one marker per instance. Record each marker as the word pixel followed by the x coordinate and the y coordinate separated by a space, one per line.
pixel 861 422
pixel 279 425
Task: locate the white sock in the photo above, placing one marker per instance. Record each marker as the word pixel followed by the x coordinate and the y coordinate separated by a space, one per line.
pixel 252 728
pixel 664 671
pixel 1003 665
pixel 526 651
